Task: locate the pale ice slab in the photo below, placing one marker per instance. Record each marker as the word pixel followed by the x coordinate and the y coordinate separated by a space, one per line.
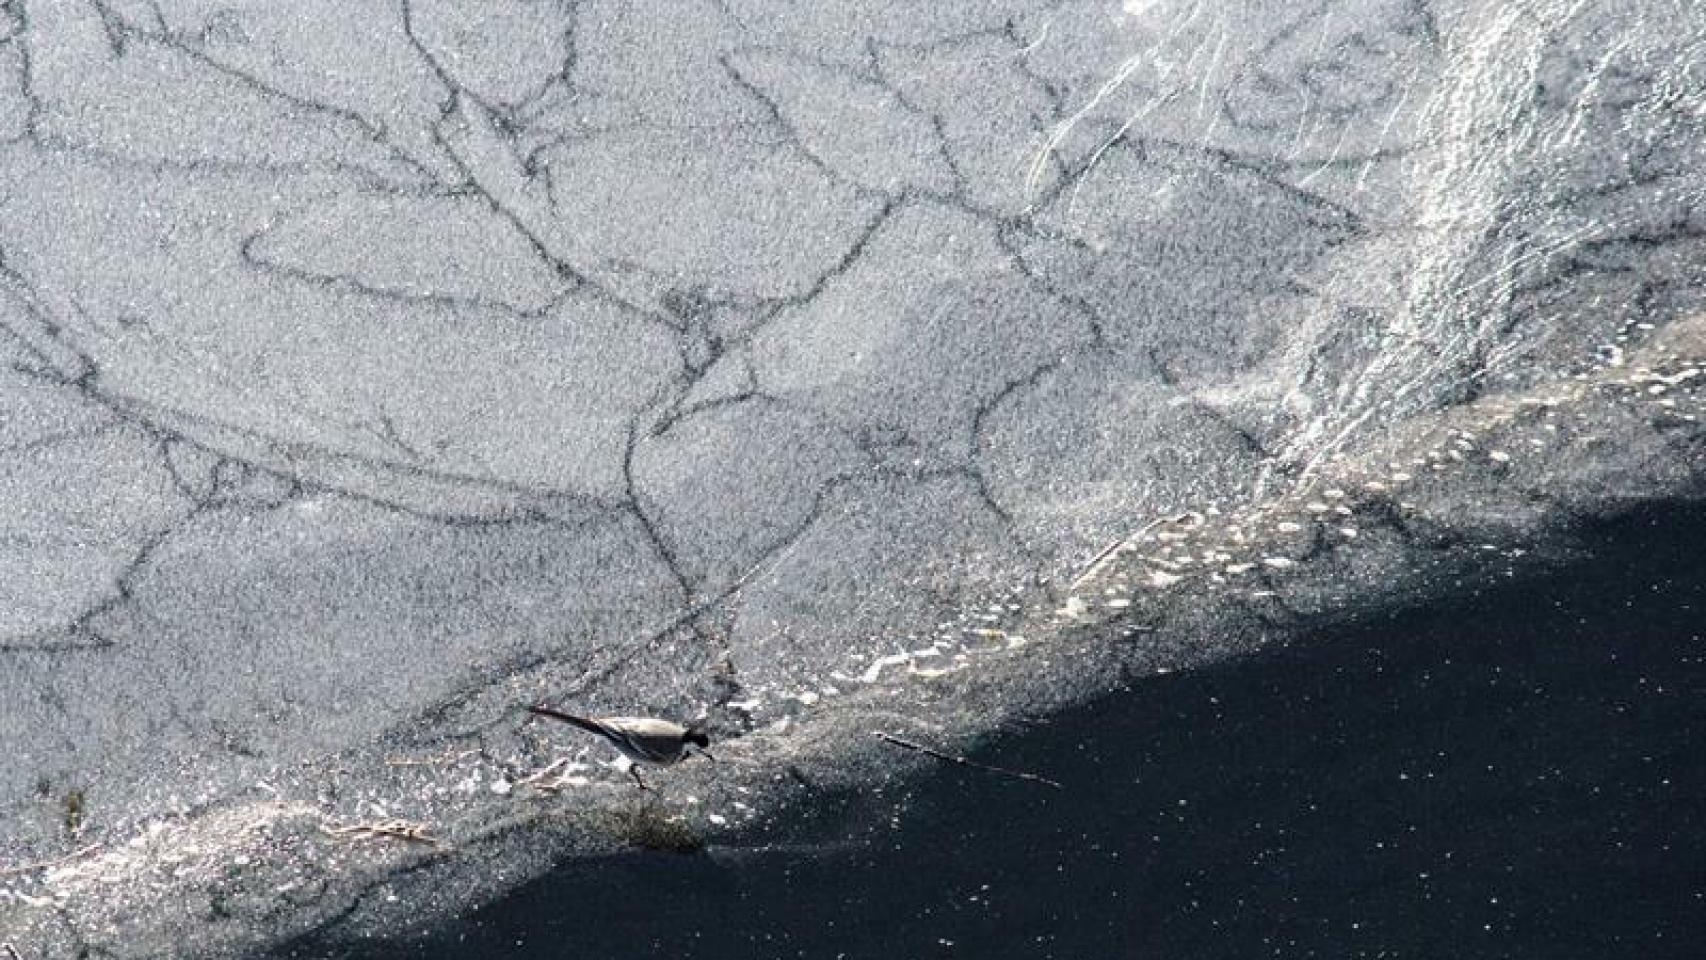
pixel 372 368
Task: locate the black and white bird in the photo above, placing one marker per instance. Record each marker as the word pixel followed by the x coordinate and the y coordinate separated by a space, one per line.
pixel 640 739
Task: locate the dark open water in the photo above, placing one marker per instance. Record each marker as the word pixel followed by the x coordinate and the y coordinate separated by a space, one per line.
pixel 1517 774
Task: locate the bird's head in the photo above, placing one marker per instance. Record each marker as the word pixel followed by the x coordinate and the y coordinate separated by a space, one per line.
pixel 697 737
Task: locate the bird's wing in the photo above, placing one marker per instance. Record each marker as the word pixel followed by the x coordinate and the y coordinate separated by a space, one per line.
pixel 645 738
pixel 645 726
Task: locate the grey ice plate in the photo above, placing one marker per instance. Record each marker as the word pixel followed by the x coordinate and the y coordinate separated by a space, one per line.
pixel 373 369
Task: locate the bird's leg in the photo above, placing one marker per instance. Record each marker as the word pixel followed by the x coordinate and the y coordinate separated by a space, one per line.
pixel 634 770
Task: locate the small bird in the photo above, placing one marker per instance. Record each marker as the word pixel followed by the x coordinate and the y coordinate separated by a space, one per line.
pixel 640 739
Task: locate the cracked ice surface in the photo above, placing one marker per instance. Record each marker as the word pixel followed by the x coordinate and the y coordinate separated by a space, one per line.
pixel 368 362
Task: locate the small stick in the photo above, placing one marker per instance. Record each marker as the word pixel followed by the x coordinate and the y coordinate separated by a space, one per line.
pixel 44 864
pixel 534 779
pixel 11 951
pixel 429 761
pixel 962 761
pixel 400 829
pixel 1095 565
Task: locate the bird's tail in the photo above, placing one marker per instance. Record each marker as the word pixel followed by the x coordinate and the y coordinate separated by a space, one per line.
pixel 569 718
